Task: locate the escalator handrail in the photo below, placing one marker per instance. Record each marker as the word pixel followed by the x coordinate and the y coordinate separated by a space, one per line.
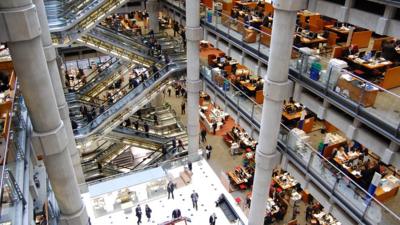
pixel 103 102
pixel 142 134
pixel 95 71
pixel 142 86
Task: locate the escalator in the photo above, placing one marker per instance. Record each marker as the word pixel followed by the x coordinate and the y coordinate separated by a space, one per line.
pixel 68 20
pixel 103 72
pixel 127 132
pixel 130 101
pixel 169 45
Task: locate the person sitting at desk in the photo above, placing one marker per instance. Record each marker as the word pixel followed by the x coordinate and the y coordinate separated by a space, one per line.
pixel 341 154
pixel 259 85
pixel 234 13
pixel 247 19
pixel 389 50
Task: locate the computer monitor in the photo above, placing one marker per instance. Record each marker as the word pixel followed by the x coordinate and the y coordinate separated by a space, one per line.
pixel 361 54
pixel 222 59
pixel 378 55
pixel 299 30
pixel 373 52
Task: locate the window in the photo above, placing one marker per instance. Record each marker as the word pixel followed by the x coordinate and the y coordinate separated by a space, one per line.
pixel 340 2
pixel 371 7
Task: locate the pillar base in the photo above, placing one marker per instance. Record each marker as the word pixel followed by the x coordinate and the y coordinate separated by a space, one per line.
pixel 79 218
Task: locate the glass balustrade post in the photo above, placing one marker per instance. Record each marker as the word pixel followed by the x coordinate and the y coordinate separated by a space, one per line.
pixel 252 111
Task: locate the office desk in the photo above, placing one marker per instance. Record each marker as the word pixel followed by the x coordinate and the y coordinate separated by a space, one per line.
pixel 291 116
pixel 339 30
pixel 350 89
pixel 241 5
pixel 371 64
pixel 311 42
pixel 388 190
pixel 290 183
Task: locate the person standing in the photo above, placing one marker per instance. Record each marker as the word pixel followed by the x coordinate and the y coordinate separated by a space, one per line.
pixel 214 126
pixel 180 145
pixel 148 212
pixel 190 166
pixel 208 151
pixel 203 134
pixel 176 28
pixel 183 107
pixel 195 197
pixel 170 189
pixel 155 118
pixel 213 219
pixel 146 129
pixel 139 214
pixel 176 213
pixel 169 89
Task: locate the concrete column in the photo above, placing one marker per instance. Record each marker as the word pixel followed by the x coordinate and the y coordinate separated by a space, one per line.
pixel 242 57
pixel 389 152
pixel 352 130
pixel 258 68
pixel 321 114
pixel 345 10
pixel 312 5
pixel 383 22
pixel 62 105
pixel 276 89
pixel 205 35
pixel 217 42
pixel 152 9
pixel 20 28
pixel 298 89
pixel 194 34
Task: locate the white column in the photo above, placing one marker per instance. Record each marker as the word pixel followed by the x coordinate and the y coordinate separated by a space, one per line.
pixel 276 89
pixel 298 89
pixel 194 34
pixel 152 9
pixel 312 5
pixel 383 22
pixel 345 10
pixel 62 105
pixel 20 28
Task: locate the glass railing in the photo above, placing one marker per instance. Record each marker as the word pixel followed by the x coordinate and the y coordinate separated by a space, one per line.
pixel 61 15
pixel 96 76
pixel 88 20
pixel 143 135
pixel 334 180
pixel 111 110
pixel 368 101
pixel 13 162
pixel 110 48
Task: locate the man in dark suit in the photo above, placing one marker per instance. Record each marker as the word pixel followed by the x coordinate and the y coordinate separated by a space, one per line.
pixel 176 213
pixel 139 214
pixel 195 197
pixel 213 218
pixel 170 189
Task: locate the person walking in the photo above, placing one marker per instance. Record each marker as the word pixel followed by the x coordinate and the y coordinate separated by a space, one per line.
pixel 170 189
pixel 155 118
pixel 139 214
pixel 176 213
pixel 195 197
pixel 146 129
pixel 180 145
pixel 208 151
pixel 136 124
pixel 214 126
pixel 148 212
pixel 190 167
pixel 203 134
pixel 213 219
pixel 183 107
pixel 176 28
pixel 169 90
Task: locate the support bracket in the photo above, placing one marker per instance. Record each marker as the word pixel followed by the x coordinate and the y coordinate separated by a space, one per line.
pixel 276 91
pixel 194 33
pixel 24 19
pixel 51 142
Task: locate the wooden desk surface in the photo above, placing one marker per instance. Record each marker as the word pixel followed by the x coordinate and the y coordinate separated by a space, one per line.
pixel 291 116
pixel 337 30
pixel 305 40
pixel 369 65
pixel 284 187
pixel 248 85
pixel 383 196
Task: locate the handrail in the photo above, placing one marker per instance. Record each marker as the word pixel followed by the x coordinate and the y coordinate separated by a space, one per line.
pixel 324 159
pixel 80 82
pixel 107 112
